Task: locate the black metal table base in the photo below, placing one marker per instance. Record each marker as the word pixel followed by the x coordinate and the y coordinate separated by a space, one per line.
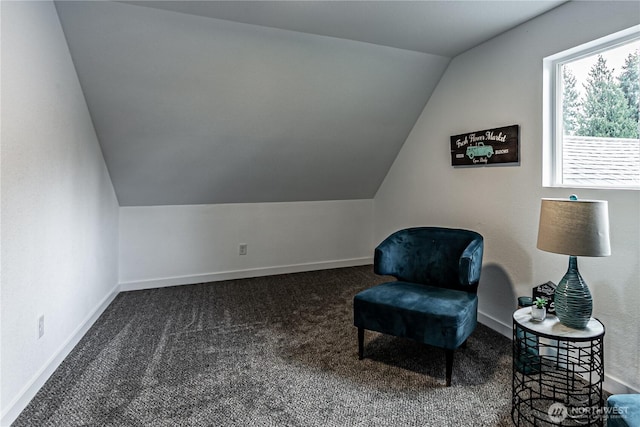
pixel 556 380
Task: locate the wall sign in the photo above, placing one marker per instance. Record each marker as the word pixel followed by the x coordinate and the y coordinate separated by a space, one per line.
pixel 486 147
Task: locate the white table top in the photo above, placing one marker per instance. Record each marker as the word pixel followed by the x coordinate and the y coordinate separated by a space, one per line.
pixel 552 326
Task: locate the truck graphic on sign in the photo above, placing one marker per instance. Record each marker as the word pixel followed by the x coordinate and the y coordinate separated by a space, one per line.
pixel 479 150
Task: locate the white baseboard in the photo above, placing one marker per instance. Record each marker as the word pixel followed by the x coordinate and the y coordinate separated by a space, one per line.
pixel 17 405
pixel 495 324
pixel 241 274
pixel 615 385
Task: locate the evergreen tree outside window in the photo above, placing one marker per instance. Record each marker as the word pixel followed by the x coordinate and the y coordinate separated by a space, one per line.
pixel 630 83
pixel 570 102
pixel 592 111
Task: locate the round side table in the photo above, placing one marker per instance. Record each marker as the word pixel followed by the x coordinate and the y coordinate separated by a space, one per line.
pixel 557 372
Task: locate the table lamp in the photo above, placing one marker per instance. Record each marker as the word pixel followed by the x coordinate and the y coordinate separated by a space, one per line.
pixel 576 228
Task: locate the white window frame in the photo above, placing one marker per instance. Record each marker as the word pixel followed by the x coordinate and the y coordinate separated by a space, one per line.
pixel 552 175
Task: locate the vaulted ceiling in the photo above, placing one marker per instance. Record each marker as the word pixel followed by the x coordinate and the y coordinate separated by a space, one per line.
pixel 235 102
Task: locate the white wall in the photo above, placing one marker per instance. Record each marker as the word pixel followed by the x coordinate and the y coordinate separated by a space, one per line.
pixel 171 245
pixel 59 211
pixel 496 84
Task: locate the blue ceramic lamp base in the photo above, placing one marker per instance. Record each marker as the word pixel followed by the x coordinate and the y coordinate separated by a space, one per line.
pixel 572 298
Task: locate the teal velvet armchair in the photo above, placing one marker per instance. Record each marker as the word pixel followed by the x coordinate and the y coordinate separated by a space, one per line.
pixel 433 299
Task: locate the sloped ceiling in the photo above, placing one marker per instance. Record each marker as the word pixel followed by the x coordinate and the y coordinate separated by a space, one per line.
pixel 192 109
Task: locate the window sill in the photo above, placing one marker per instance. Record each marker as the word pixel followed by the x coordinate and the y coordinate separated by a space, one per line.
pixel 594 187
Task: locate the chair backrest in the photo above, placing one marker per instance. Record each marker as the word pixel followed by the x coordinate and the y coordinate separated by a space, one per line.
pixel 443 257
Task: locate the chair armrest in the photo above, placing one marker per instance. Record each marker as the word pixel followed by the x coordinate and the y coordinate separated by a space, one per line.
pixel 470 263
pixel 385 258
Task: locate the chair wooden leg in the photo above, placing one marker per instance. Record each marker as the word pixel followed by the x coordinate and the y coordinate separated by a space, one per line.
pixel 449 354
pixel 360 343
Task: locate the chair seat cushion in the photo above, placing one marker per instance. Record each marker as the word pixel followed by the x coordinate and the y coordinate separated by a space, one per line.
pixel 627 410
pixel 436 316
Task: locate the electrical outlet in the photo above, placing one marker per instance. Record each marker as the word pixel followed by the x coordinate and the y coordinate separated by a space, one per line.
pixel 40 326
pixel 242 249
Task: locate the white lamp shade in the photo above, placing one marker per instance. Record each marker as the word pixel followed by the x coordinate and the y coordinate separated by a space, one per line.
pixel 574 227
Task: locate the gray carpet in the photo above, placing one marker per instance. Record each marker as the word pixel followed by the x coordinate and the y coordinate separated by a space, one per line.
pixel 272 351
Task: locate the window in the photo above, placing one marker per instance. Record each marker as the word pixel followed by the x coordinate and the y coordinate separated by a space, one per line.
pixel 591 109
